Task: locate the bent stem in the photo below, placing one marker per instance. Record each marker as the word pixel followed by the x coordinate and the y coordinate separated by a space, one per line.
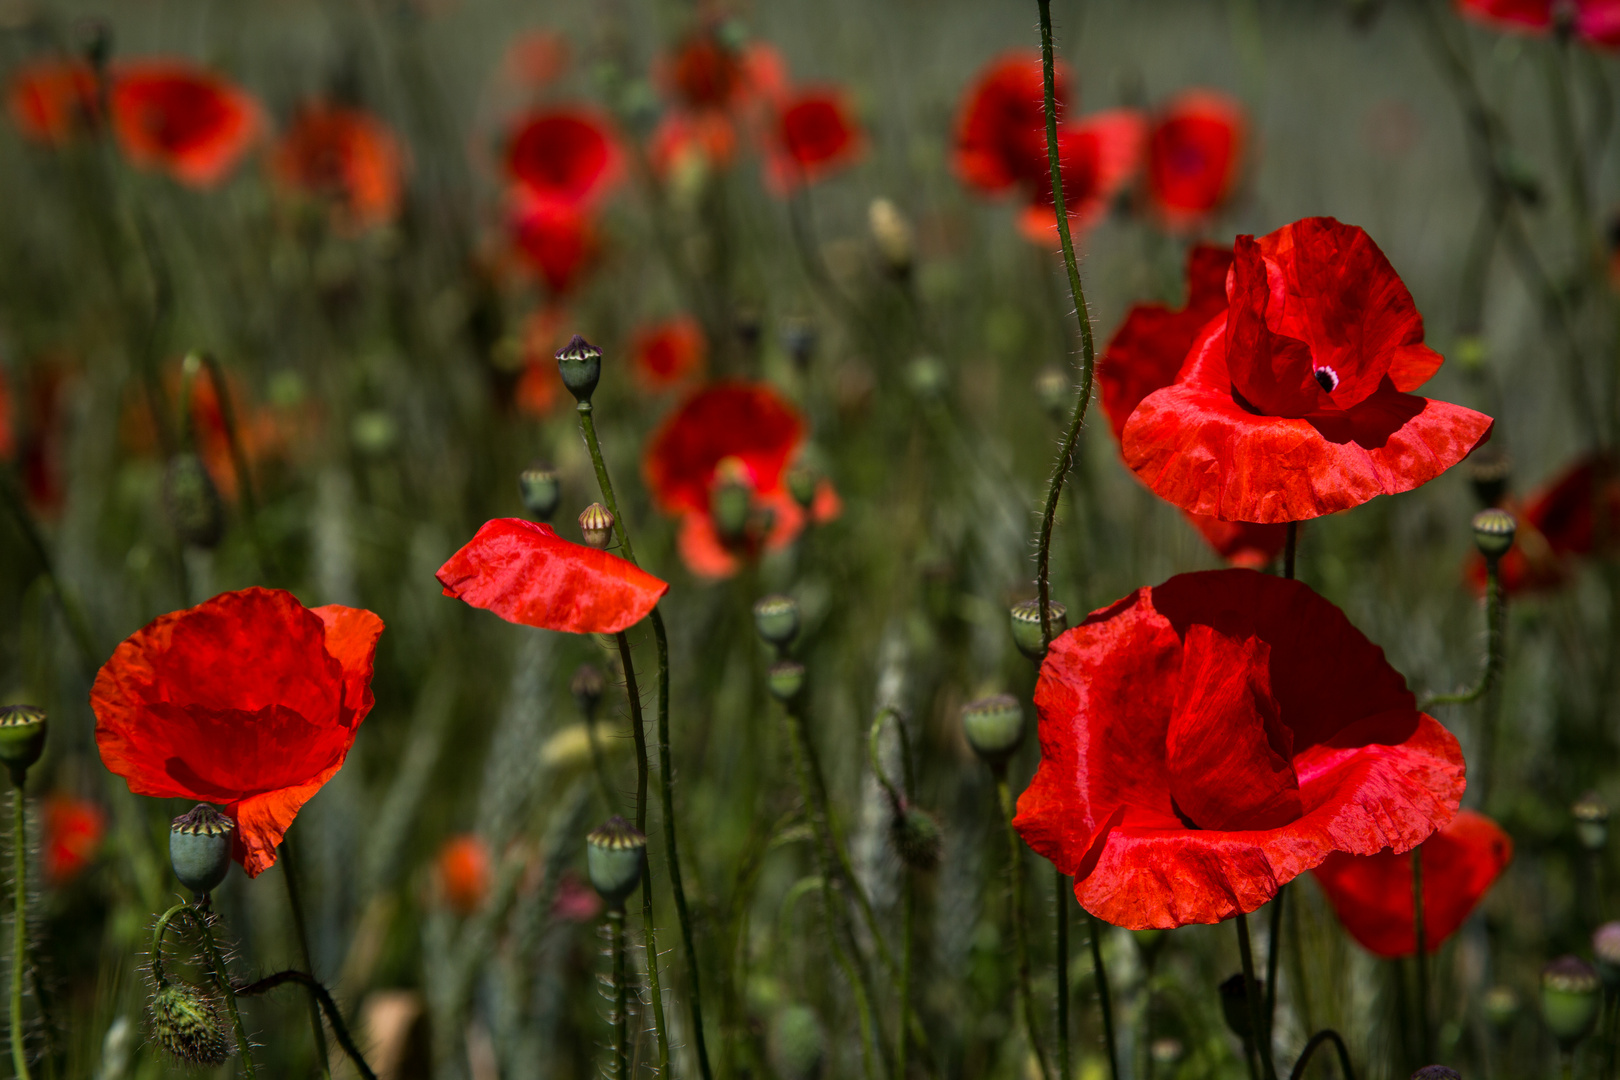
pixel 289 874
pixel 1260 1032
pixel 19 918
pixel 216 971
pixel 340 1030
pixel 1323 1036
pixel 1421 957
pixel 1015 879
pixel 1495 617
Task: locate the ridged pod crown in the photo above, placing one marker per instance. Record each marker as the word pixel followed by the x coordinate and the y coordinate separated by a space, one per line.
pixel 22 736
pixel 1591 816
pixel 614 852
pixel 541 490
pixel 580 364
pixel 596 525
pixel 994 726
pixel 1025 618
pixel 1570 998
pixel 1493 532
pixel 776 618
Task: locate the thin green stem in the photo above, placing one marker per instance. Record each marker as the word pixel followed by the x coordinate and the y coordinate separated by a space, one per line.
pixel 1015 881
pixel 908 917
pixel 1260 1032
pixel 621 1020
pixel 1104 1000
pixel 1274 956
pixel 340 1030
pixel 1495 604
pixel 239 459
pixel 289 874
pixel 78 625
pixel 1323 1036
pixel 1060 895
pixel 1421 956
pixel 19 920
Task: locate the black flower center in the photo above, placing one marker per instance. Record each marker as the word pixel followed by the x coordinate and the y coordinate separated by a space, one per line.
pixel 1327 379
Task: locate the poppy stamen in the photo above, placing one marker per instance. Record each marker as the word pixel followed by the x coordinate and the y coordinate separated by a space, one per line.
pixel 1326 378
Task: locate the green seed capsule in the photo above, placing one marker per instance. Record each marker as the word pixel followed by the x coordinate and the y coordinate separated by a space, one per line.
pixel 786 679
pixel 186 1023
pixel 1570 997
pixel 1493 532
pixel 22 737
pixel 542 490
pixel 200 848
pixel 580 364
pixel 614 853
pixel 1026 625
pixel 776 617
pixel 994 726
pixel 192 502
pixel 1591 815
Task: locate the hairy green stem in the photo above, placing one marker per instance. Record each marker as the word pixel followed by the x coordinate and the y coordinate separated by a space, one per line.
pixel 1421 956
pixel 289 875
pixel 19 917
pixel 340 1030
pixel 1015 881
pixel 1260 1031
pixel 1495 605
pixel 216 971
pixel 621 1021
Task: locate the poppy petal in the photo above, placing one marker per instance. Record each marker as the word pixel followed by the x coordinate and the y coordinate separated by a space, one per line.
pixel 351 639
pixel 263 820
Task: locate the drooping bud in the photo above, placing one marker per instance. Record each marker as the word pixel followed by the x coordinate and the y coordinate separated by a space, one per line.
pixel 596 525
pixel 786 679
pixel 776 617
pixel 587 688
pixel 541 490
pixel 187 1025
pixel 192 501
pixel 580 364
pixel 614 853
pixel 731 498
pixel 1437 1072
pixel 916 837
pixel 200 848
pixel 1235 1004
pixel 1570 997
pixel 1606 951
pixel 1591 815
pixel 1056 391
pixel 1493 532
pixel 1026 625
pixel 994 726
pixel 892 235
pixel 1489 470
pixel 22 737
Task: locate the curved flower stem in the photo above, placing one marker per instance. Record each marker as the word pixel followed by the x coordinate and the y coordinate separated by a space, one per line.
pixel 1495 605
pixel 1015 879
pixel 1421 956
pixel 19 917
pixel 216 970
pixel 587 423
pixel 289 874
pixel 340 1030
pixel 1325 1035
pixel 1260 1032
pixel 239 461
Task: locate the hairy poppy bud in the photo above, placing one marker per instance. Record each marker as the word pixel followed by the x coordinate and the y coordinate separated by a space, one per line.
pixel 614 852
pixel 776 617
pixel 891 233
pixel 1569 999
pixel 186 1023
pixel 200 848
pixel 916 838
pixel 1055 391
pixel 1235 1004
pixel 731 499
pixel 1488 474
pixel 1436 1072
pixel 786 679
pixel 1026 625
pixel 580 364
pixel 1493 532
pixel 596 525
pixel 994 726
pixel 1500 1005
pixel 192 501
pixel 541 490
pixel 1606 951
pixel 1591 821
pixel 22 737
pixel 587 689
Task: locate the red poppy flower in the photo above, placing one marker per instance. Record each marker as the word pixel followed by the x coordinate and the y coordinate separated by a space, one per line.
pixel 1295 403
pixel 812 134
pixel 73 832
pixel 527 574
pixel 249 700
pixel 182 119
pixel 1145 354
pixel 1205 741
pixel 1576 515
pixel 1193 155
pixel 669 352
pixel 567 156
pixel 1373 893
pixel 346 156
pixel 1098 155
pixel 464 873
pixel 554 240
pixel 706 72
pixel 1001 124
pixel 1594 21
pixel 8 435
pixel 41 446
pixel 536 58
pixel 50 101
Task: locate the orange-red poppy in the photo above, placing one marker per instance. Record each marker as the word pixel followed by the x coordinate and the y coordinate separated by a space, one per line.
pixel 345 156
pixel 73 831
pixel 553 239
pixel 1098 155
pixel 50 101
pixel 464 873
pixel 812 133
pixel 565 156
pixel 1194 152
pixel 181 119
pixel 669 352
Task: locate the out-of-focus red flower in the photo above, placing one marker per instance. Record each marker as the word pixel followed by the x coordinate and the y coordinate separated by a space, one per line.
pixel 567 156
pixel 1098 155
pixel 8 434
pixel 812 134
pixel 40 448
pixel 706 71
pixel 554 240
pixel 249 700
pixel 182 119
pixel 346 156
pixel 464 873
pixel 1296 403
pixel 669 352
pixel 536 58
pixel 684 139
pixel 1001 124
pixel 575 901
pixel 1206 741
pixel 527 574
pixel 1145 354
pixel 1576 515
pixel 1372 894
pixel 1194 151
pixel 260 432
pixel 73 831
pixel 50 101
pixel 1593 21
pixel 713 85
pixel 540 387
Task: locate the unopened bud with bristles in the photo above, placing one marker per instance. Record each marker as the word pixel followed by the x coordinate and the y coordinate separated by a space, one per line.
pixel 1026 625
pixel 916 838
pixel 614 853
pixel 596 525
pixel 186 1023
pixel 192 501
pixel 22 737
pixel 776 617
pixel 200 848
pixel 1493 532
pixel 580 364
pixel 541 490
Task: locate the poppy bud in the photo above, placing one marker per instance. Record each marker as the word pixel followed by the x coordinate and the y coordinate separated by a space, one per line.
pixel 926 378
pixel 1166 1051
pixel 1493 532
pixel 186 1023
pixel 916 838
pixel 776 617
pixel 614 852
pixel 1569 999
pixel 994 726
pixel 1501 1006
pixel 801 483
pixel 1055 391
pixel 799 340
pixel 1488 473
pixel 731 499
pixel 891 232
pixel 1235 1004
pixel 580 364
pixel 1606 951
pixel 192 501
pixel 541 491
pixel 596 525
pixel 786 679
pixel 587 689
pixel 1591 821
pixel 1026 625
pixel 1437 1072
pixel 22 738
pixel 200 848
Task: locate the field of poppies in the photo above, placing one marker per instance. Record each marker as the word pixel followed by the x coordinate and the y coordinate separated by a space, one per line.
pixel 557 541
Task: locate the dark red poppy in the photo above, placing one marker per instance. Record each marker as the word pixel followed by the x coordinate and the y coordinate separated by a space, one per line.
pixel 1373 893
pixel 249 700
pixel 669 352
pixel 50 101
pixel 345 156
pixel 1574 516
pixel 1098 155
pixel 1593 21
pixel 566 156
pixel 464 873
pixel 8 434
pixel 813 133
pixel 42 440
pixel 182 119
pixel 73 831
pixel 554 240
pixel 1206 741
pixel 707 71
pixel 1001 124
pixel 714 86
pixel 1295 403
pixel 527 574
pixel 1145 354
pixel 1193 155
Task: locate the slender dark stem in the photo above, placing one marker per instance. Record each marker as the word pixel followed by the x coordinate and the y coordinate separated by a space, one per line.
pixel 239 460
pixel 1104 1002
pixel 621 1021
pixel 1289 550
pixel 1611 1029
pixel 19 917
pixel 1421 956
pixel 1015 880
pixel 78 625
pixel 318 992
pixel 1495 604
pixel 1261 1031
pixel 1274 956
pixel 289 874
pixel 1061 892
pixel 1325 1035
pixel 908 917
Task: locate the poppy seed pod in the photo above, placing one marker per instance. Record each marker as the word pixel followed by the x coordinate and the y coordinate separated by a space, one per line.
pixel 1606 951
pixel 801 482
pixel 587 688
pixel 1488 474
pixel 1026 626
pixel 580 364
pixel 731 498
pixel 541 490
pixel 192 501
pixel 186 1024
pixel 1493 532
pixel 916 838
pixel 1500 1005
pixel 994 726
pixel 22 737
pixel 200 848
pixel 1437 1072
pixel 1570 996
pixel 596 525
pixel 776 617
pixel 786 679
pixel 614 853
pixel 892 235
pixel 1235 1004
pixel 1591 815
